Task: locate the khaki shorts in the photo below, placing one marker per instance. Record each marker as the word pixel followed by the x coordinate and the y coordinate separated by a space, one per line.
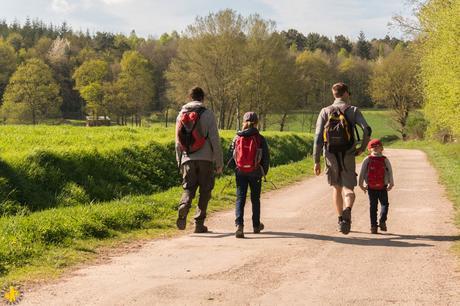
pixel 341 171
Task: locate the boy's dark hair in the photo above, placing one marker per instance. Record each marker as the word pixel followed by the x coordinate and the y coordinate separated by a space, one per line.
pixel 339 89
pixel 196 94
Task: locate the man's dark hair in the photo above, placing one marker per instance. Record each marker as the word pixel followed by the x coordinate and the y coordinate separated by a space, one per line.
pixel 196 94
pixel 339 89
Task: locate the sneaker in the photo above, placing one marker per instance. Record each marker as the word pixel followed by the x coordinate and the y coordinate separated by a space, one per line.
pixel 383 226
pixel 181 221
pixel 239 232
pixel 200 229
pixel 259 228
pixel 346 223
pixel 374 229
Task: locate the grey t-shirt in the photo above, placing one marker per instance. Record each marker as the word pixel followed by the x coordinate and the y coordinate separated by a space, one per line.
pixel 353 115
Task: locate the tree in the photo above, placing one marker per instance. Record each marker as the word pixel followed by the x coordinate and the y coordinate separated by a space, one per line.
pixel 7 64
pixel 356 73
pixel 210 54
pixel 135 85
pixel 363 47
pixel 317 76
pixel 394 85
pixel 89 79
pixel 440 67
pixel 342 42
pixel 269 76
pixel 15 40
pixel 294 37
pixel 32 94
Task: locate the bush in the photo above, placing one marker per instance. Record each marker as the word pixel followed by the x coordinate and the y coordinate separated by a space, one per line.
pixel 416 126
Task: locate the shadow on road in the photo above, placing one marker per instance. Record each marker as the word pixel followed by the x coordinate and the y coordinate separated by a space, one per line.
pixel 387 240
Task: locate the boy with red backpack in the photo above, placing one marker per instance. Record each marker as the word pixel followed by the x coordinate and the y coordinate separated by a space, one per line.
pixel 251 159
pixel 377 173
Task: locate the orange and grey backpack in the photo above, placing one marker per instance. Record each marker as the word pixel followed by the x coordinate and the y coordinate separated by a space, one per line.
pixel 189 134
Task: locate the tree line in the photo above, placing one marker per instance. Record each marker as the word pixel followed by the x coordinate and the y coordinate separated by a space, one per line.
pixel 242 62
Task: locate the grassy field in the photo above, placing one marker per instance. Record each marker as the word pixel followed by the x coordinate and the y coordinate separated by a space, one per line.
pixel 49 166
pixel 380 121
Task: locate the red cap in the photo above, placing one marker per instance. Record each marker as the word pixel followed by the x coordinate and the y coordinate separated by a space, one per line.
pixel 374 143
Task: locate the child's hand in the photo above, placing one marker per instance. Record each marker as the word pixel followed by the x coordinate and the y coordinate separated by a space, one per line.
pixel 390 186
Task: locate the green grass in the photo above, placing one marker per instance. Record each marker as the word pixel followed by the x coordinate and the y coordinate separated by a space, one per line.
pixel 380 121
pixel 44 244
pixel 43 167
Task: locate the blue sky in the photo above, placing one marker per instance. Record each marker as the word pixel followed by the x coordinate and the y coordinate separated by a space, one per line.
pixel 154 17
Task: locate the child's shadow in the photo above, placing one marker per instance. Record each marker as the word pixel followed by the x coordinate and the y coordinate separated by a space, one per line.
pixel 387 240
pixel 394 240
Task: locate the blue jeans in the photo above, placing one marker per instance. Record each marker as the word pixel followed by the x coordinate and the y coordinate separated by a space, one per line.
pixel 374 197
pixel 255 184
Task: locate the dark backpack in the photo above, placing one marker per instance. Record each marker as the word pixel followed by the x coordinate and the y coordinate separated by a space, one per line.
pixel 376 172
pixel 338 131
pixel 189 132
pixel 248 153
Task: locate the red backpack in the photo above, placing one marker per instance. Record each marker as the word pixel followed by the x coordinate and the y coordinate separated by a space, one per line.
pixel 189 132
pixel 376 172
pixel 248 153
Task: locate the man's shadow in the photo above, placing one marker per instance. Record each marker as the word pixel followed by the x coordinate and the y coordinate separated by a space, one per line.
pixel 386 240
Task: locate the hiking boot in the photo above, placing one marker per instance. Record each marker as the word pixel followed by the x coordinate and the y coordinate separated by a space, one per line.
pixel 374 229
pixel 346 221
pixel 181 218
pixel 239 232
pixel 200 228
pixel 259 228
pixel 383 226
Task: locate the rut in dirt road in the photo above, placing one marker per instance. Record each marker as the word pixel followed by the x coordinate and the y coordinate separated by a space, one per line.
pixel 299 259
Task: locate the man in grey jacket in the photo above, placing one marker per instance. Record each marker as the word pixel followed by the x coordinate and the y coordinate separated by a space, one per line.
pixel 198 168
pixel 340 167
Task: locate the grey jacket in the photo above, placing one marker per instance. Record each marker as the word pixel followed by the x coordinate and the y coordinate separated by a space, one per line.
pixel 364 171
pixel 212 149
pixel 353 115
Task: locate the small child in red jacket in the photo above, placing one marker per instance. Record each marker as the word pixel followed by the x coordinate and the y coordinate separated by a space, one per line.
pixel 377 173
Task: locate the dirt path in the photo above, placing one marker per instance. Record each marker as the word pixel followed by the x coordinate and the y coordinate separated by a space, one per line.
pixel 300 259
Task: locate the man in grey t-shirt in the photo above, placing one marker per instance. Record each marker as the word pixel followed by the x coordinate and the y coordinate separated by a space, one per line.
pixel 340 167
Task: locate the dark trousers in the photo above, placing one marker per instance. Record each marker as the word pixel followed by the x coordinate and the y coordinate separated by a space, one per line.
pixel 374 197
pixel 242 184
pixel 196 174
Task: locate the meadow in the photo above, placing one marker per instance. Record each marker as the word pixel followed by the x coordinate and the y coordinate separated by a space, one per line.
pixel 67 191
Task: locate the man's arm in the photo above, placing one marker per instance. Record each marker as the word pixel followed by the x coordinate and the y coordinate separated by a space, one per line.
pixel 367 131
pixel 177 146
pixel 319 141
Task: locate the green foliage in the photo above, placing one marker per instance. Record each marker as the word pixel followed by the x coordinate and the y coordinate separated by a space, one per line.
pixel 394 85
pixel 7 64
pixel 89 78
pixel 32 93
pixel 440 65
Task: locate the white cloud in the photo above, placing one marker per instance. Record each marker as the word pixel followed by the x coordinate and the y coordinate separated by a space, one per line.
pixel 62 6
pixel 110 2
